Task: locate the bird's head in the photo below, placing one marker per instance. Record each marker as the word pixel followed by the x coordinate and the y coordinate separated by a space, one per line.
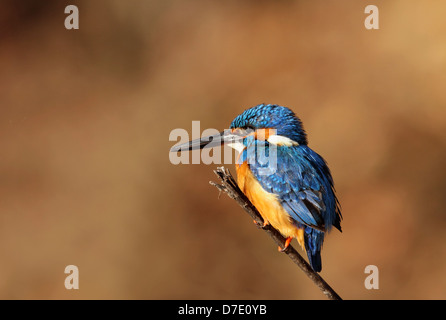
pixel 282 120
pixel 276 124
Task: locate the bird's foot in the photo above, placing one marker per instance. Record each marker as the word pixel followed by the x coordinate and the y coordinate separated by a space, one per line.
pixel 287 243
pixel 261 225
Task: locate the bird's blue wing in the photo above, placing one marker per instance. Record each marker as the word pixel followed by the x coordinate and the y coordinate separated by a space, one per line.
pixel 301 180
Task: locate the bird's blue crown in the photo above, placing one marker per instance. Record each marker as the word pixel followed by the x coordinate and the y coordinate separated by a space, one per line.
pixel 272 116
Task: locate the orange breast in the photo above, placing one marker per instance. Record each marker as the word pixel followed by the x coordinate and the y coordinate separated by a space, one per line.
pixel 267 204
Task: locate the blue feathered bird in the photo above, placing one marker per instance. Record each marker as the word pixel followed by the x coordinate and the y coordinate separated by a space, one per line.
pixel 290 185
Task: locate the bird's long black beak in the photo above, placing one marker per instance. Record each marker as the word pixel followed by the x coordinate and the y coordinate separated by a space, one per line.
pixel 224 137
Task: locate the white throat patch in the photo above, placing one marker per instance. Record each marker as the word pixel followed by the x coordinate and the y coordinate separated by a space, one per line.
pixel 237 146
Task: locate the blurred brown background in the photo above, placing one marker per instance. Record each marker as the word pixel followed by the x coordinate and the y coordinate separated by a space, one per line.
pixel 85 117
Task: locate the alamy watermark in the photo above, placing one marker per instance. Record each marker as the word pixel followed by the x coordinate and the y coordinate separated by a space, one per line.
pixel 372 280
pixel 250 146
pixel 72 280
pixel 72 20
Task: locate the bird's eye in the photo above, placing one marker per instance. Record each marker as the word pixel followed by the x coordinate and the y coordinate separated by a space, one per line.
pixel 249 127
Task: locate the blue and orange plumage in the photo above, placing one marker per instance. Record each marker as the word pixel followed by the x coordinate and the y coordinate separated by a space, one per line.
pixel 296 195
pixel 298 198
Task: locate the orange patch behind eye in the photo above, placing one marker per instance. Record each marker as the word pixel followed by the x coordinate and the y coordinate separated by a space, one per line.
pixel 263 134
pixel 259 134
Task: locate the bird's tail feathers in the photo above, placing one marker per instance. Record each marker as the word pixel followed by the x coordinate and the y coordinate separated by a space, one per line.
pixel 313 245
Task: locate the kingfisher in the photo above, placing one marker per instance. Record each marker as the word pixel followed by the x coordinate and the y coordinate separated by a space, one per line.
pixel 290 184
